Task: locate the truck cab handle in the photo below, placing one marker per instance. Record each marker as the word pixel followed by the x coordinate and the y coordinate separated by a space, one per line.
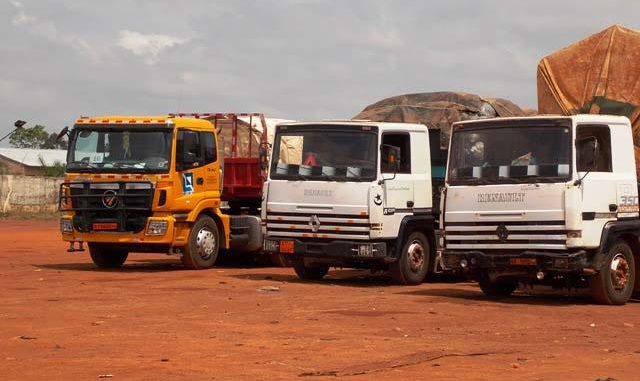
pixel 199 181
pixel 409 204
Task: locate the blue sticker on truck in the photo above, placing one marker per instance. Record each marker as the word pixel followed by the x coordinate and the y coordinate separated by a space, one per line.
pixel 187 183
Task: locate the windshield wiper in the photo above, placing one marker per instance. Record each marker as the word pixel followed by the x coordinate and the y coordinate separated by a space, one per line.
pixel 298 177
pixel 82 164
pixel 330 177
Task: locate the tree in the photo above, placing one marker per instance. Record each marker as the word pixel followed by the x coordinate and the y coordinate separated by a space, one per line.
pixel 35 137
pixel 53 143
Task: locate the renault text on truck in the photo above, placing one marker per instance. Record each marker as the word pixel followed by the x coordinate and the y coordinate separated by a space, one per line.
pixel 155 184
pixel 547 200
pixel 351 194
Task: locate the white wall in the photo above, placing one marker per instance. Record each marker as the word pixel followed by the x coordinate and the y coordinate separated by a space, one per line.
pixel 28 194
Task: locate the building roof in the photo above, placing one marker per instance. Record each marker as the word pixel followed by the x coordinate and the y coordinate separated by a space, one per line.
pixel 31 157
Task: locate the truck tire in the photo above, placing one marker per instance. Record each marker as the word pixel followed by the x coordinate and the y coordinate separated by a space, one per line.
pixel 615 282
pixel 203 245
pixel 496 289
pixel 315 272
pixel 106 256
pixel 413 264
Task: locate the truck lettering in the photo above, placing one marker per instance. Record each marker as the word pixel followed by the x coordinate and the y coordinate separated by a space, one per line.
pixel 318 192
pixel 501 197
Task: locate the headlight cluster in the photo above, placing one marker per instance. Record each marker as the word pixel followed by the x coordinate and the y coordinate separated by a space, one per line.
pixel 157 227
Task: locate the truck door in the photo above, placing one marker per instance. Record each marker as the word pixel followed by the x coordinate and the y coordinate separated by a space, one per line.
pixel 609 186
pixel 196 153
pixel 399 189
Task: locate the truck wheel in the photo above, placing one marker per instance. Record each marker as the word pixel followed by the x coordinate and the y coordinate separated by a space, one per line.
pixel 615 281
pixel 315 272
pixel 201 251
pixel 413 264
pixel 107 257
pixel 496 289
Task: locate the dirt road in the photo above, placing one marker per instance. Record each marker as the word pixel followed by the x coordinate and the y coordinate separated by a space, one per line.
pixel 60 318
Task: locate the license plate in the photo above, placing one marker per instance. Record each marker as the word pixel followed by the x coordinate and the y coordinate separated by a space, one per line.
pixel 286 247
pixel 524 261
pixel 105 226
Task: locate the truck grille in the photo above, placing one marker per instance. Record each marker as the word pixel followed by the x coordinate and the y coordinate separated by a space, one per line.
pixel 318 226
pixel 126 204
pixel 542 235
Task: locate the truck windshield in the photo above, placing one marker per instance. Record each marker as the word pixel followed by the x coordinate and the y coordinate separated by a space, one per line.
pixel 510 154
pixel 119 150
pixel 330 153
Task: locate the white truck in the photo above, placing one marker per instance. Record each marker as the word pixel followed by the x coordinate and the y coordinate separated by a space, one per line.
pixel 355 194
pixel 549 200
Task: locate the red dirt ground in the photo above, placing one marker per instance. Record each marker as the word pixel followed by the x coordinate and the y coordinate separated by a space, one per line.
pixel 61 318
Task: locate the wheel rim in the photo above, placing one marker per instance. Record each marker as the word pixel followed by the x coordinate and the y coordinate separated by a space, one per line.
pixel 206 243
pixel 415 253
pixel 620 272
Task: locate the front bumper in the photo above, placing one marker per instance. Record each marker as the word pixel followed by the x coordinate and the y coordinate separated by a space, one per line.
pixel 174 235
pixel 474 260
pixel 332 250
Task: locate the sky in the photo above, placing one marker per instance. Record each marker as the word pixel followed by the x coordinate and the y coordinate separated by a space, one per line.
pixel 295 59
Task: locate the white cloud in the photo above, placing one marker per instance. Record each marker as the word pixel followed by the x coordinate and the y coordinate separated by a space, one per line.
pixel 148 46
pixel 22 18
pixel 47 30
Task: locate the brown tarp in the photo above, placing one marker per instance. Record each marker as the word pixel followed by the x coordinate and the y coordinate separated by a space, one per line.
pixel 438 110
pixel 598 75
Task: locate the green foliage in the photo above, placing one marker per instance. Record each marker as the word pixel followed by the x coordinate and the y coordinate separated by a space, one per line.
pixel 53 143
pixel 36 137
pixel 33 137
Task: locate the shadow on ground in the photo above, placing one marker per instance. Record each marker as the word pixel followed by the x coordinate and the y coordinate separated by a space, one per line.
pixel 137 263
pixel 536 296
pixel 129 266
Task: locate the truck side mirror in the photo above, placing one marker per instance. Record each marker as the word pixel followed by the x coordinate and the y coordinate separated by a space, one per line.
pixel 263 153
pixel 389 161
pixel 61 134
pixel 588 152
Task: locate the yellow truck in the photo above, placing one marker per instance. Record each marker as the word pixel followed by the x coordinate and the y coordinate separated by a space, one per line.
pixel 155 184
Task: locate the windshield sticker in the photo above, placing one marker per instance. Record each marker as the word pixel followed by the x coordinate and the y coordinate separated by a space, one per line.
pixel 97 157
pixel 187 183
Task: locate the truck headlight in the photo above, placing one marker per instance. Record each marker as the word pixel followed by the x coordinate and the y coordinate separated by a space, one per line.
pixel 574 234
pixel 66 226
pixel 157 227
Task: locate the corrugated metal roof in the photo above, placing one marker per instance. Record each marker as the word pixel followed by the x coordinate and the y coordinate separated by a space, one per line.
pixel 31 157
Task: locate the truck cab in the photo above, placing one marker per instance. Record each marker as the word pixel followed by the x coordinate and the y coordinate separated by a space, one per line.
pixel 351 194
pixel 144 184
pixel 543 200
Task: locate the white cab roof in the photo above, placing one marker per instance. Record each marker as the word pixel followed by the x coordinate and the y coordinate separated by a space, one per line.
pixel 578 118
pixel 383 125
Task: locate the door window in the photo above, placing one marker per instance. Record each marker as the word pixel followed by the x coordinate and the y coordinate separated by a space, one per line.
pixel 593 148
pixel 189 150
pixel 402 142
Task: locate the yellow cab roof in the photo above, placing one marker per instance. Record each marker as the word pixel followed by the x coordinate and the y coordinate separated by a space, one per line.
pixel 144 119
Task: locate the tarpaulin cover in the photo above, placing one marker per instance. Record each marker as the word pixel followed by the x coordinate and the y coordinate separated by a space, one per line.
pixel 248 130
pixel 598 75
pixel 438 110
